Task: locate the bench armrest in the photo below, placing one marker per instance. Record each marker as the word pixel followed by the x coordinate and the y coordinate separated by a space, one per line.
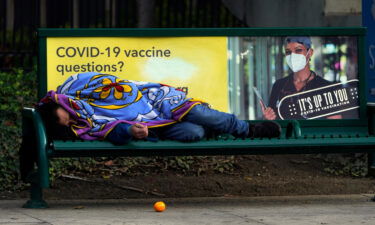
pixel 293 129
pixel 32 122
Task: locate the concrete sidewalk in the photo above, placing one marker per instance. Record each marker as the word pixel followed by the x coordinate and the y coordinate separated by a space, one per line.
pixel 299 210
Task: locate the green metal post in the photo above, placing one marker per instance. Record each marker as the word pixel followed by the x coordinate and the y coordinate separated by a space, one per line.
pixel 36 198
pixel 293 129
pixel 43 163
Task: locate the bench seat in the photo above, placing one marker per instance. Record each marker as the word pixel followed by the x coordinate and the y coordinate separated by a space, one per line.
pixel 221 146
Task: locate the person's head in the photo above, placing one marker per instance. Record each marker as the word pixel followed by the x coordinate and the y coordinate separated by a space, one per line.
pixel 298 52
pixel 53 114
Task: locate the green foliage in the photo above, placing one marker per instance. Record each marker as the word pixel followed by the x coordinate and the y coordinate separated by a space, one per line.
pixel 106 167
pixel 17 89
pixel 199 164
pixel 346 164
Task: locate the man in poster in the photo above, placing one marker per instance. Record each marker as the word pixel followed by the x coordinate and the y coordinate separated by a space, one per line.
pixel 288 90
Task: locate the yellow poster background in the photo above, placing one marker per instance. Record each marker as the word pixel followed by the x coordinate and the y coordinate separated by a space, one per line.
pixel 196 63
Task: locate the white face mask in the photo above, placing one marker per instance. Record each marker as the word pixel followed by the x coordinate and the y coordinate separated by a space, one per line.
pixel 296 62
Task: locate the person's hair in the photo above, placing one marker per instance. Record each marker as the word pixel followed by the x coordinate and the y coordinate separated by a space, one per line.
pixel 48 113
pixel 51 121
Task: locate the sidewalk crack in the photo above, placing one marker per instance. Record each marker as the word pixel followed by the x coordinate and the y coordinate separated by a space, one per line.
pixel 42 221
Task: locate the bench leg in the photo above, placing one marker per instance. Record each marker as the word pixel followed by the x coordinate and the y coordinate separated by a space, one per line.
pixel 36 194
pixel 36 198
pixel 371 164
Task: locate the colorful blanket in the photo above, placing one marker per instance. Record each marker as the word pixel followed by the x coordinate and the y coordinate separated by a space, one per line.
pixel 98 102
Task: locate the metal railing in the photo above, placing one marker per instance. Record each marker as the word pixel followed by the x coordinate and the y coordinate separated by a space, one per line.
pixel 19 20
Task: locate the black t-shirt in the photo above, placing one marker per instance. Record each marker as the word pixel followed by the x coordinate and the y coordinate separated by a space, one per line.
pixel 285 86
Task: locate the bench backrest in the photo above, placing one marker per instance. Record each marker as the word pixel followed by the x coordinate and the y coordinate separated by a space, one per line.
pixel 221 66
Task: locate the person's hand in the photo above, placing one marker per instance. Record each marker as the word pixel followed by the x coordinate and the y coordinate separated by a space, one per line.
pixel 335 117
pixel 139 131
pixel 268 112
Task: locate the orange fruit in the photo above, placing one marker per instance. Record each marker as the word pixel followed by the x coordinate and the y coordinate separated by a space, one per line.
pixel 159 206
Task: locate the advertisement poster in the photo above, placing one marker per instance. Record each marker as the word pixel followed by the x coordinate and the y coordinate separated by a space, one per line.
pixel 267 77
pixel 196 65
pixel 294 77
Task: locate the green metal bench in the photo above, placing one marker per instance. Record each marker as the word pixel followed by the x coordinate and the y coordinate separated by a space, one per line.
pixel 299 136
